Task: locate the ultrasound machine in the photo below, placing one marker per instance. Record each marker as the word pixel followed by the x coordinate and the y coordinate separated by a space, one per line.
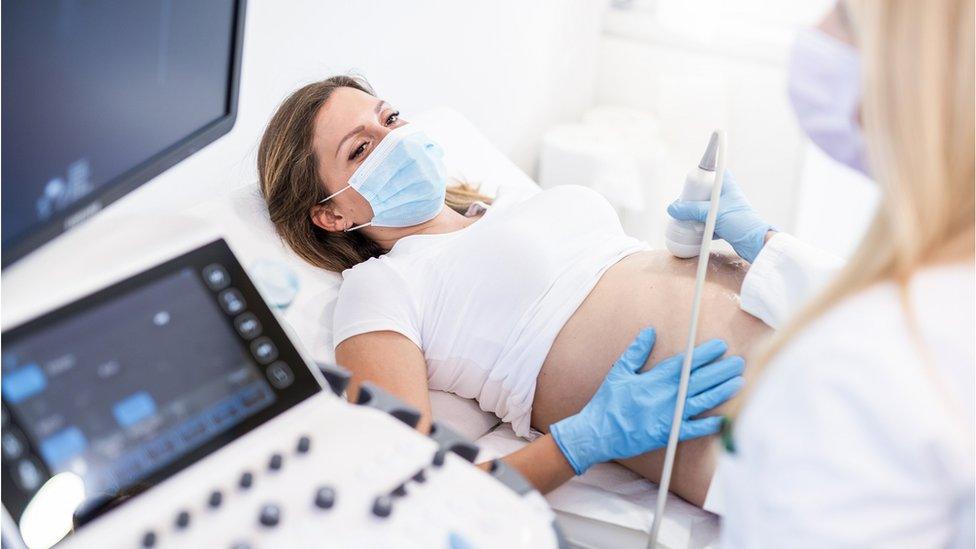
pixel 170 407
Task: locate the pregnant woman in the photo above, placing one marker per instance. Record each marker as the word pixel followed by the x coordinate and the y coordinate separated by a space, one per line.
pixel 523 305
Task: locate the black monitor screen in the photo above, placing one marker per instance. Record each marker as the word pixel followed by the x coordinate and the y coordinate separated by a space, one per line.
pixel 95 92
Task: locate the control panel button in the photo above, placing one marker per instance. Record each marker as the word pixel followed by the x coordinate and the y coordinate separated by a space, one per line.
pixel 325 497
pixel 216 276
pixel 248 325
pixel 183 519
pixel 264 350
pixel 400 491
pixel 29 475
pixel 270 515
pixel 382 506
pixel 247 479
pixel 420 476
pixel 279 374
pixel 149 539
pixel 13 445
pixel 241 545
pixel 275 462
pixel 304 445
pixel 231 301
pixel 215 499
pixel 439 457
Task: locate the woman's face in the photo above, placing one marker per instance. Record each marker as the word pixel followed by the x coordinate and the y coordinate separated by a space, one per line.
pixel 346 130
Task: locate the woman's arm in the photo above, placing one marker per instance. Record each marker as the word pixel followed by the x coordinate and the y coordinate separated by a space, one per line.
pixel 630 413
pixel 394 363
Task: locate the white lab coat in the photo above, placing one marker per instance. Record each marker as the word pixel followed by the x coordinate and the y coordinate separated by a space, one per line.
pixel 860 433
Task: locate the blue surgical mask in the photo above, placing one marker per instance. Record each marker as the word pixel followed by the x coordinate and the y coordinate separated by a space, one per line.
pixel 403 179
pixel 824 87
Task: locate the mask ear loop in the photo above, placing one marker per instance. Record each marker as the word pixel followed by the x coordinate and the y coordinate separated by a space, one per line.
pixel 336 193
pixel 340 191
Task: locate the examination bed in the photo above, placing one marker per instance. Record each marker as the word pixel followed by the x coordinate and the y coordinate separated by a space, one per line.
pixel 609 506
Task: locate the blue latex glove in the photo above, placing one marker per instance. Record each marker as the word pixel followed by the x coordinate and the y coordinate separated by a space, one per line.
pixel 631 412
pixel 737 222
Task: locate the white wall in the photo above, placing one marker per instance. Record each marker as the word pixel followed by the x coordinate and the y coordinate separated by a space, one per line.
pixel 514 68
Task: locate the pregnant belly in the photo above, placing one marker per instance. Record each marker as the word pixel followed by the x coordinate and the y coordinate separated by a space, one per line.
pixel 644 289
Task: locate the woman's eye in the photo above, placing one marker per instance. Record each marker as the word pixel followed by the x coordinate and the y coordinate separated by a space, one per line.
pixel 359 150
pixel 393 118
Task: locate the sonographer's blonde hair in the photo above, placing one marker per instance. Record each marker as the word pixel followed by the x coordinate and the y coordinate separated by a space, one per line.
pixel 918 119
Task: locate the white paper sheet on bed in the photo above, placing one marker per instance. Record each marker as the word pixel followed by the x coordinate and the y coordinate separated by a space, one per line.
pixel 609 506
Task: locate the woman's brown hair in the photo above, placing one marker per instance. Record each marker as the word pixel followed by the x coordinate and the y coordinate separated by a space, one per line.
pixel 291 185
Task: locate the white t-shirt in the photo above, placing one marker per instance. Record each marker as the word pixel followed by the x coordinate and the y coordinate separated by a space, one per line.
pixel 861 431
pixel 485 303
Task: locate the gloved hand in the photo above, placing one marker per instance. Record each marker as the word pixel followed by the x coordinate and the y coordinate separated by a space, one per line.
pixel 631 412
pixel 737 222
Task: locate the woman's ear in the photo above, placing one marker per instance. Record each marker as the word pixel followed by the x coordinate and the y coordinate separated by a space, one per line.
pixel 327 219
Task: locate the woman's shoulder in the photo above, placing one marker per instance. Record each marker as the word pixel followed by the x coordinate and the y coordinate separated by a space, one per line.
pixel 374 275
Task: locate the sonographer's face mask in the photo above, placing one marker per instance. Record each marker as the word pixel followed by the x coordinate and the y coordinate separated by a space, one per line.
pixel 824 87
pixel 404 179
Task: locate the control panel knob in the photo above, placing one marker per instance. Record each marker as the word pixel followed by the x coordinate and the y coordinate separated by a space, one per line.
pixel 304 444
pixel 382 506
pixel 247 479
pixel 325 497
pixel 183 519
pixel 270 515
pixel 215 499
pixel 275 462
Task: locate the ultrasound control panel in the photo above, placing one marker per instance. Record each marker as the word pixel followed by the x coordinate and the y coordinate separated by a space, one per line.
pixel 130 385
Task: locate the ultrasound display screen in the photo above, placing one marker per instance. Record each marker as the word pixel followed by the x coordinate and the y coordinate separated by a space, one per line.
pixel 99 96
pixel 125 388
